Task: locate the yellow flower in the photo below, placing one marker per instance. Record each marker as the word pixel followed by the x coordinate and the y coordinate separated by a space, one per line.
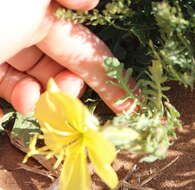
pixel 70 133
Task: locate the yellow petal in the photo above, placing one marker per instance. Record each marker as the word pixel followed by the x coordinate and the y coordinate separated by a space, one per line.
pixel 60 110
pixel 75 174
pixel 52 86
pixel 56 142
pixel 50 111
pixel 101 153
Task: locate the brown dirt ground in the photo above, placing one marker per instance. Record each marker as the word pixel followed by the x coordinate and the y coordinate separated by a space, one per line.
pixel 180 175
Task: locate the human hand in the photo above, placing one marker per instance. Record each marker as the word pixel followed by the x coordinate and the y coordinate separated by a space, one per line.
pixel 71 45
pixel 25 22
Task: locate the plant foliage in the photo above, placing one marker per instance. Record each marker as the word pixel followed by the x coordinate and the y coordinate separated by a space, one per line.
pixel 151 130
pixel 128 27
pixel 156 41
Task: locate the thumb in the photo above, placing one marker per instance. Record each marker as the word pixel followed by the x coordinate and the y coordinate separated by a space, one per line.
pixel 19 20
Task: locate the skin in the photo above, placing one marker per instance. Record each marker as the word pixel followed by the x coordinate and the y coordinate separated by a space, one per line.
pixel 36 46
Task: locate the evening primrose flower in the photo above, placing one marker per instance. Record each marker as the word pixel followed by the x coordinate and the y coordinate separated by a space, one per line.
pixel 70 133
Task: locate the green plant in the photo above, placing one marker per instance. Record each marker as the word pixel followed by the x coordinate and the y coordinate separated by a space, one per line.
pixel 156 41
pixel 128 27
pixel 154 125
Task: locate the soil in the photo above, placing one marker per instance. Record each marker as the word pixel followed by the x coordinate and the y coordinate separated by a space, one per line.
pixel 167 174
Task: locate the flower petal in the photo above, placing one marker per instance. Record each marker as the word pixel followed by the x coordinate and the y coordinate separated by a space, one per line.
pixel 52 86
pixel 50 111
pixel 60 110
pixel 56 141
pixel 101 153
pixel 75 173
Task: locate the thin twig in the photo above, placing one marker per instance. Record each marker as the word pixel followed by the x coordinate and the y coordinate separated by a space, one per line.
pixel 128 176
pixel 37 171
pixel 159 171
pixel 134 187
pixel 124 185
pixel 130 172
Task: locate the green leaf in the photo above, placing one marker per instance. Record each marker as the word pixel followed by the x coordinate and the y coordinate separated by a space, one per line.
pixel 149 159
pixel 122 100
pixel 165 88
pixel 128 74
pixel 24 128
pixel 120 136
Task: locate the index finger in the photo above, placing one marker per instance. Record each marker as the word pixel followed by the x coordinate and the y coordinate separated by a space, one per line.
pixel 79 50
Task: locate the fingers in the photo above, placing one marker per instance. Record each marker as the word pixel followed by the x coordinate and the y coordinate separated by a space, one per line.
pixel 23 91
pixel 79 4
pixel 26 59
pixel 41 67
pixel 18 88
pixel 44 69
pixel 25 94
pixel 70 83
pixel 76 48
